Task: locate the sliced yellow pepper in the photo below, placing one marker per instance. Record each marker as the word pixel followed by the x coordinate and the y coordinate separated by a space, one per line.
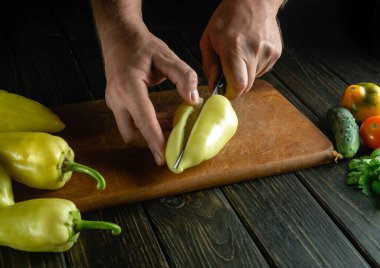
pixel 203 139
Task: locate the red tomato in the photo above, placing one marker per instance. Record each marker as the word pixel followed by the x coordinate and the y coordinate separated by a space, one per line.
pixel 370 131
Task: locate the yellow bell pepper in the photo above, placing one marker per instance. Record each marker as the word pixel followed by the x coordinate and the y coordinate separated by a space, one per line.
pixel 6 193
pixel 22 114
pixel 45 225
pixel 362 100
pixel 41 160
pixel 202 136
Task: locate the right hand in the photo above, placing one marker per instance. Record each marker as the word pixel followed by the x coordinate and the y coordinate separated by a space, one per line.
pixel 135 60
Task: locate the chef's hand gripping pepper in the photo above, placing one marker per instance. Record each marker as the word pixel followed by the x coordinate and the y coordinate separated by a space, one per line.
pixel 203 139
pixel 41 160
pixel 6 193
pixel 22 114
pixel 45 225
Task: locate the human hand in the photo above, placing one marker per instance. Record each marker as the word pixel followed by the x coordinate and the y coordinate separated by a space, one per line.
pixel 135 60
pixel 242 40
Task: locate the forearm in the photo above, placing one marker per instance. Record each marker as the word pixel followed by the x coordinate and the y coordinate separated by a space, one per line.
pixel 271 5
pixel 109 15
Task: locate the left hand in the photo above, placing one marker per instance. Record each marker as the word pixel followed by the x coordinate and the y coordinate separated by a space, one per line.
pixel 242 40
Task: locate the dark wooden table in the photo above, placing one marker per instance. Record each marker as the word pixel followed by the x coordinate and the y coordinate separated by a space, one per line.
pixel 309 218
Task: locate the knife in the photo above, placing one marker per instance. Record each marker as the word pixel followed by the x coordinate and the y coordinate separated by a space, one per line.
pixel 218 89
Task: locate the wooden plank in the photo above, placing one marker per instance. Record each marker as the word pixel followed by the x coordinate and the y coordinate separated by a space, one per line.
pixel 27 19
pixel 136 246
pixel 176 14
pixel 14 258
pixel 133 176
pixel 74 18
pixel 376 31
pixel 314 84
pixel 346 64
pixel 357 214
pixel 349 208
pixel 48 71
pixel 89 58
pixel 9 77
pixel 352 64
pixel 339 42
pixel 201 230
pixel 292 227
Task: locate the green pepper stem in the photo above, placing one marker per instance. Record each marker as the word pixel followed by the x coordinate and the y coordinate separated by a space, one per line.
pixel 80 225
pixel 73 166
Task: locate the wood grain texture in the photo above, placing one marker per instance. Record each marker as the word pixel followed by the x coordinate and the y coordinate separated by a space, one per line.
pixel 291 226
pixel 9 77
pixel 353 213
pixel 88 55
pixel 73 18
pixel 136 246
pixel 49 72
pixel 318 89
pixel 200 229
pixel 376 30
pixel 262 146
pixel 22 20
pixel 14 258
pixel 358 214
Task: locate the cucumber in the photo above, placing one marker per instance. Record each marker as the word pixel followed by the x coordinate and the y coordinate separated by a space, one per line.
pixel 345 130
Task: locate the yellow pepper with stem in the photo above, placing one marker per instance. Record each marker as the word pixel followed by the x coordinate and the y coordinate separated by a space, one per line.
pixel 45 225
pixel 41 160
pixel 201 131
pixel 18 113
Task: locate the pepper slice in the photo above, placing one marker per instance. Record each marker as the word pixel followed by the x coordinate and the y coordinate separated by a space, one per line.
pixel 41 160
pixel 6 193
pixel 45 225
pixel 22 114
pixel 203 139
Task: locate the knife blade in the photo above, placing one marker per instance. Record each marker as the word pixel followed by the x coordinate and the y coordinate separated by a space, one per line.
pixel 219 88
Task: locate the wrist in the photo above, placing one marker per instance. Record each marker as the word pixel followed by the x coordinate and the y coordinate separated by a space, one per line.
pixel 270 7
pixel 112 17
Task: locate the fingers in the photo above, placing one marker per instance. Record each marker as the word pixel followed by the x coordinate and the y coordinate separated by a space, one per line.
pixel 241 66
pixel 239 75
pixel 211 62
pixel 181 74
pixel 271 56
pixel 136 118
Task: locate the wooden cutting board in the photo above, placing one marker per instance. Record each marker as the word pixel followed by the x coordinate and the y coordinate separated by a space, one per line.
pixel 273 137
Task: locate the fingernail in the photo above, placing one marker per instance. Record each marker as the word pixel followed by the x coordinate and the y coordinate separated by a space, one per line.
pixel 158 158
pixel 194 96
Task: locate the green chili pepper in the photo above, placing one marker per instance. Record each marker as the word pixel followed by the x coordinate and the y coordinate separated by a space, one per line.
pixel 45 225
pixel 41 160
pixel 22 114
pixel 202 136
pixel 6 193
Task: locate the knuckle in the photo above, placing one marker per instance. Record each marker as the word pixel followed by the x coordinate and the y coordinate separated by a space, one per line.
pixel 190 76
pixel 236 43
pixel 277 53
pixel 240 84
pixel 127 138
pixel 140 123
